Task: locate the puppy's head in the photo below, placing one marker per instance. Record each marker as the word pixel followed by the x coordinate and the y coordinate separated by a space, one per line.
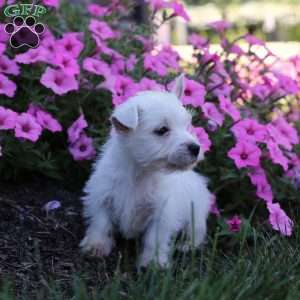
pixel 153 127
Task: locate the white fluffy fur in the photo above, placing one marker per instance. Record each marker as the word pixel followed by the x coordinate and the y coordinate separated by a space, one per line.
pixel 143 184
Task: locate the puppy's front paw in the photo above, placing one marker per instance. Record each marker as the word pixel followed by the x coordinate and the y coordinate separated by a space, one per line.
pixel 161 261
pixel 97 247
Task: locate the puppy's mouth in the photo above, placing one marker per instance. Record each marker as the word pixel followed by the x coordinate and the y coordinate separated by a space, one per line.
pixel 181 167
pixel 181 161
pixel 169 165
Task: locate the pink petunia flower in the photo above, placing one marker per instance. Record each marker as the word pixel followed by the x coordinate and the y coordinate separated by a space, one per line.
pixel 227 107
pixel 258 176
pixel 194 93
pixel 286 84
pixel 294 115
pixel 7 118
pixel 32 56
pixel 253 40
pixel 96 66
pixel 154 64
pixel 294 174
pixel 148 44
pixel 116 56
pixel 2 48
pixel 162 61
pixel 59 82
pixel 276 136
pixel 3 35
pixel 47 121
pixel 49 46
pixel 249 130
pixel 8 66
pixel 52 3
pixel 178 10
pixel 236 49
pixel 234 224
pixel 97 10
pixel 67 64
pixel 118 66
pixel 101 29
pixel 287 130
pixel 202 137
pixel 279 220
pixel 211 112
pixel 123 88
pixel 294 159
pixel 262 91
pixel 223 90
pixel 108 83
pixel 263 188
pixel 7 87
pixel 217 84
pixel 264 191
pixel 131 62
pixel 220 70
pixel 33 109
pixel 102 46
pixel 76 129
pixel 245 154
pixel 118 6
pixel 277 156
pixel 83 148
pixel 219 26
pixel 198 41
pixel 70 44
pixel 231 48
pixel 27 127
pixel 169 57
pixel 147 84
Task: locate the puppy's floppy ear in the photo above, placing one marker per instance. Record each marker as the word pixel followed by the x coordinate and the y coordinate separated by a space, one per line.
pixel 179 86
pixel 125 118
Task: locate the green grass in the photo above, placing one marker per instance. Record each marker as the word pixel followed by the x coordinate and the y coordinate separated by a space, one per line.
pixel 264 266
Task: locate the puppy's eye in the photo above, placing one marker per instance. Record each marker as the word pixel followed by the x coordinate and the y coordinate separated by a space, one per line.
pixel 161 131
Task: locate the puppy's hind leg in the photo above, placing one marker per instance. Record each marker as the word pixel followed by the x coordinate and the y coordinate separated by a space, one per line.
pixel 157 245
pixel 98 238
pixel 196 233
pixel 99 235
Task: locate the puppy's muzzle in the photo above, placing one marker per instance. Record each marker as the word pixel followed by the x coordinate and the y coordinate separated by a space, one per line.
pixel 185 157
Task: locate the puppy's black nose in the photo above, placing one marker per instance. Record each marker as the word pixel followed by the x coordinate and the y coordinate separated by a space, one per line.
pixel 194 149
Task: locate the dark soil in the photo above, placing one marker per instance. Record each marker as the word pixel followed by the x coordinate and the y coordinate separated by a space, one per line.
pixel 37 248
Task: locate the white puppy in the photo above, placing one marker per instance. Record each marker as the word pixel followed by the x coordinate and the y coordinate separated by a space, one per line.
pixel 143 182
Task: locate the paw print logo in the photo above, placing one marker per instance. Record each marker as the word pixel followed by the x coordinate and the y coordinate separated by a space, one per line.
pixel 24 32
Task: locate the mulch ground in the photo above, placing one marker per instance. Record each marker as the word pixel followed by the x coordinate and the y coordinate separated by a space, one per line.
pixel 37 248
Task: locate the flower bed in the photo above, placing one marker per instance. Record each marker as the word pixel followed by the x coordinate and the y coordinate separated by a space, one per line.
pixel 55 101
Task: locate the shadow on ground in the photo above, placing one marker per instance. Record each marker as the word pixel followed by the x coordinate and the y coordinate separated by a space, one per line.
pixel 37 248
